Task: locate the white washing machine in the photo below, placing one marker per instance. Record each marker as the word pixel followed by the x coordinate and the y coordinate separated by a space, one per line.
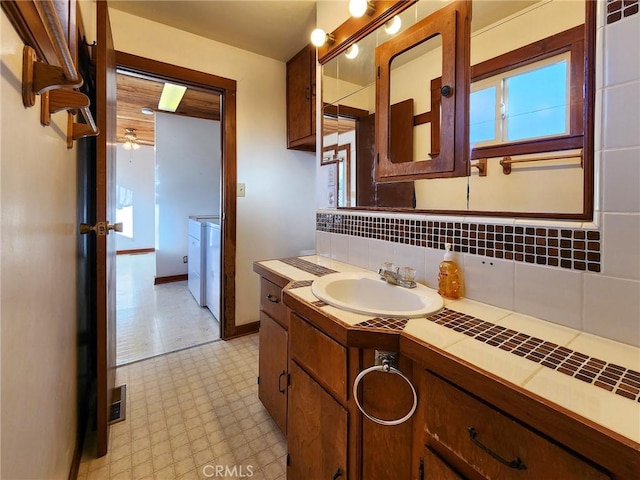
pixel 196 261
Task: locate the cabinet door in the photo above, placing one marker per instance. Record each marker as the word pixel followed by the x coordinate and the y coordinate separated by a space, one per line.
pixel 301 100
pixel 317 436
pixel 272 367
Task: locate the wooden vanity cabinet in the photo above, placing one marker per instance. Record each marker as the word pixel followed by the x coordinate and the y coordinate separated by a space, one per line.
pixel 301 100
pixel 465 434
pixel 273 367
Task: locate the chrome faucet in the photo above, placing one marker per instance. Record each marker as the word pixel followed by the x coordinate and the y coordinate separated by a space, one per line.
pixel 391 274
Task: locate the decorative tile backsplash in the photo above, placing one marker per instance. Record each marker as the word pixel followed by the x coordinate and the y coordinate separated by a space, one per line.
pixel 570 248
pixel 618 9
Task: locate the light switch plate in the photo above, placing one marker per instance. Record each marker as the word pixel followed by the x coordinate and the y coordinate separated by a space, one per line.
pixel 240 190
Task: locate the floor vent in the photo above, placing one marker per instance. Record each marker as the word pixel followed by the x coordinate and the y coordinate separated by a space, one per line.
pixel 118 405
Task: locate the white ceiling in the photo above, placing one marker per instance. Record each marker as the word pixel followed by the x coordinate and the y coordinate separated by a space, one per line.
pixel 273 28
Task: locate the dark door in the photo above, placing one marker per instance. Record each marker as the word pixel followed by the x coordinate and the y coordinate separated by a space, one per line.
pixel 105 216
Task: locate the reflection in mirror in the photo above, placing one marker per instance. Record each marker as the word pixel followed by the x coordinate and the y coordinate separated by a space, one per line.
pixel 530 100
pixel 527 105
pixel 338 157
pixel 415 139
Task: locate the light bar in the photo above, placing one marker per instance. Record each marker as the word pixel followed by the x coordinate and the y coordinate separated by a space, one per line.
pixel 171 97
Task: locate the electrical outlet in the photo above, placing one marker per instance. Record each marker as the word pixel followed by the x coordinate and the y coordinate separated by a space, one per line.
pixel 185 259
pixel 241 190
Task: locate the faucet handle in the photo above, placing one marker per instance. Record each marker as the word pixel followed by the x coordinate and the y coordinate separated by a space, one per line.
pixel 407 274
pixel 389 267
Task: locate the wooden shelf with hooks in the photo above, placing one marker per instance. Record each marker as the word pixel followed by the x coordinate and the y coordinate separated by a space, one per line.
pixel 56 84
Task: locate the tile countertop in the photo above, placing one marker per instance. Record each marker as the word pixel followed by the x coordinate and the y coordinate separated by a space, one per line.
pixel 618 413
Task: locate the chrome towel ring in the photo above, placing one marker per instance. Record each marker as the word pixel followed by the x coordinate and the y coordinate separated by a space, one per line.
pixel 385 366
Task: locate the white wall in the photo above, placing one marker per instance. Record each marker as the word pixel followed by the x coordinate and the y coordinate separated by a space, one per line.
pixel 605 303
pixel 38 281
pixel 279 182
pixel 187 183
pixel 135 171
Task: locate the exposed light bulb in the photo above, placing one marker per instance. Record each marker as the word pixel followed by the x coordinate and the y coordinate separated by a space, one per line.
pixel 358 8
pixel 352 51
pixel 393 26
pixel 318 37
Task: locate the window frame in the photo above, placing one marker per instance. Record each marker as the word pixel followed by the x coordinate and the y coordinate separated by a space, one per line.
pixel 499 80
pixel 572 41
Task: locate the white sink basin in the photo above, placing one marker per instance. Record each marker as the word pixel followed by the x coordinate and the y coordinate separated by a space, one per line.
pixel 365 292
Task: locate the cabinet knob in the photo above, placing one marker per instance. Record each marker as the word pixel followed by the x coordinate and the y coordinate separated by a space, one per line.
pixel 272 298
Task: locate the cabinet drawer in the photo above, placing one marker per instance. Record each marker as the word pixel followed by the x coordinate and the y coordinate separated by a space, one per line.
pixel 492 443
pixel 271 302
pixel 320 355
pixel 434 468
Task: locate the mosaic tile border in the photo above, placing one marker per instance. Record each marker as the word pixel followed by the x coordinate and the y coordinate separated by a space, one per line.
pixel 617 9
pixel 307 266
pixel 575 249
pixel 397 324
pixel 608 376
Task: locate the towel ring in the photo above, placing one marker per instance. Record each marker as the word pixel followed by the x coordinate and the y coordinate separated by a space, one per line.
pixel 385 367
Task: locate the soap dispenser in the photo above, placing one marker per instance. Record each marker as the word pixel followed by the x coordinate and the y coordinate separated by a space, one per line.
pixel 449 279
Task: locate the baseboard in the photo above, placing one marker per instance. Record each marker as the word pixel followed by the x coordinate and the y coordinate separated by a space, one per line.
pixel 135 251
pixel 170 279
pixel 245 329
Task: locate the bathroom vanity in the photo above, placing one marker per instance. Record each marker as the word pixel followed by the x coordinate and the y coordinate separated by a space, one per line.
pixel 498 395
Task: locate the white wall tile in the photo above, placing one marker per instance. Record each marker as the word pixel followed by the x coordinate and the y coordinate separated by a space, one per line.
pixel 621 245
pixel 622 116
pixel 621 180
pixel 340 247
pixel 379 251
pixel 621 60
pixel 489 280
pixel 359 251
pixel 598 180
pixel 552 294
pixel 411 256
pixel 612 308
pixel 323 243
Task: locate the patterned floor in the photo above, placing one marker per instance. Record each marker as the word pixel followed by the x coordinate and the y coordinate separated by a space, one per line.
pixel 192 414
pixel 156 319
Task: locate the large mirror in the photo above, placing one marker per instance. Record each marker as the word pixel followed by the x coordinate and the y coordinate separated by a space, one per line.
pixel 529 113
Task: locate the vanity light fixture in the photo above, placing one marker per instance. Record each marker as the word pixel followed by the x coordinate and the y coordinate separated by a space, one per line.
pixel 130 139
pixel 319 37
pixel 352 51
pixel 393 26
pixel 171 97
pixel 358 8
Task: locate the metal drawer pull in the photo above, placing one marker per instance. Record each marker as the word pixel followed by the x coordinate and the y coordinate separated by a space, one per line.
pixel 385 366
pixel 272 299
pixel 516 464
pixel 337 475
pixel 282 374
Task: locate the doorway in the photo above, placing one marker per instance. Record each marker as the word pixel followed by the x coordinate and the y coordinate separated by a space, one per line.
pixel 225 90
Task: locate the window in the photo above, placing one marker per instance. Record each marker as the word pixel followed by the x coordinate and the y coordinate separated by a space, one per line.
pixel 526 103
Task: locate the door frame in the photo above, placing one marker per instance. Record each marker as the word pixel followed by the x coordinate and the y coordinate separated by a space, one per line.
pixel 227 88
